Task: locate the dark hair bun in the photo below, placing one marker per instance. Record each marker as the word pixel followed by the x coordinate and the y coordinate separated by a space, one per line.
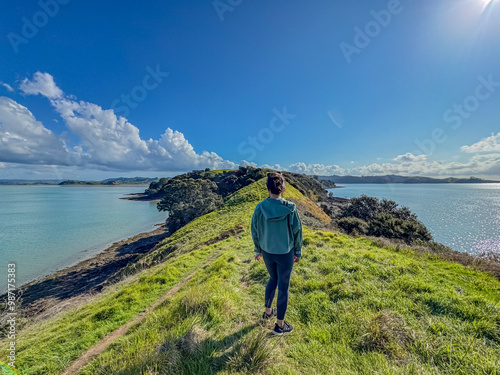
pixel 275 182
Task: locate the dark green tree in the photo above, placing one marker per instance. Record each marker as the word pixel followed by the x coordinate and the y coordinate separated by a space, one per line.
pixel 363 207
pixel 154 189
pixel 187 198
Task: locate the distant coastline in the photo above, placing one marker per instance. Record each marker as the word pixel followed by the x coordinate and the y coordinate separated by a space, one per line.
pixel 101 185
pixel 395 179
pixel 70 185
pixel 120 181
pixel 328 181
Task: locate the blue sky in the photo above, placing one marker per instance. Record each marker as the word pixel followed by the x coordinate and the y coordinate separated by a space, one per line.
pixel 101 89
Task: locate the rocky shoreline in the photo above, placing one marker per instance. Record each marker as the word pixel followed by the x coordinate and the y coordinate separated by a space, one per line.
pixel 139 197
pixel 45 297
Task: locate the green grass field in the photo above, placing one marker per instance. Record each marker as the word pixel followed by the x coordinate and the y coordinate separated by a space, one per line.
pixel 357 308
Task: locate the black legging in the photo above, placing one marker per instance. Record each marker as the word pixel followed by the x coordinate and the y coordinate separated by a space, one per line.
pixel 279 267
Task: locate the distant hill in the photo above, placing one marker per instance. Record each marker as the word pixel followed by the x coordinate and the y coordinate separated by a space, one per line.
pixel 395 179
pixel 28 182
pixel 113 181
pixel 108 181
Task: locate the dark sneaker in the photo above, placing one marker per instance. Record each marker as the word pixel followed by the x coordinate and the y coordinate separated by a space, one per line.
pixel 265 316
pixel 287 328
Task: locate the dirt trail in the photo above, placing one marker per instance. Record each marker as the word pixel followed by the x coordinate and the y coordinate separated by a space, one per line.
pixel 101 346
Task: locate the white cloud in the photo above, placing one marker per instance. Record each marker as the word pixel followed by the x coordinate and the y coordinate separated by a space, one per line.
pixel 409 158
pixel 23 139
pixel 489 144
pixel 275 167
pixel 111 142
pixel 42 83
pixel 7 86
pixel 319 169
pixel 245 163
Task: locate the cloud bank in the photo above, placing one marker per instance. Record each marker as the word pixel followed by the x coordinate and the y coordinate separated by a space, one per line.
pixel 109 142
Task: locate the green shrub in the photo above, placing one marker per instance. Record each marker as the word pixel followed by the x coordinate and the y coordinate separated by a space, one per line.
pixel 386 225
pixel 382 218
pixel 353 225
pixel 366 208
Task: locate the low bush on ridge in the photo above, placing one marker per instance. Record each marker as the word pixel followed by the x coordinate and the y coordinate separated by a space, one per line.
pixel 366 215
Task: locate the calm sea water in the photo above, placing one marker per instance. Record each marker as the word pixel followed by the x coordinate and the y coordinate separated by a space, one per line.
pixel 465 217
pixel 46 228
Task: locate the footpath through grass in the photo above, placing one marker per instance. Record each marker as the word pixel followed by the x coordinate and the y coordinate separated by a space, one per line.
pixel 357 308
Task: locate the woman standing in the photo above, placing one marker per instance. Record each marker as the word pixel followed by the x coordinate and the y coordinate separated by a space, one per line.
pixel 277 236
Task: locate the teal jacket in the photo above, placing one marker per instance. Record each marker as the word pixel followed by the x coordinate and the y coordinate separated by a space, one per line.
pixel 276 227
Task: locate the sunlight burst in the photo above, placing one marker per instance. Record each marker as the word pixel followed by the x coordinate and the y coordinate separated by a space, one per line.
pixel 487 2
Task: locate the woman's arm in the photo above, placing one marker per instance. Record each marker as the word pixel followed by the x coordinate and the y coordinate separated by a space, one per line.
pixel 297 234
pixel 255 236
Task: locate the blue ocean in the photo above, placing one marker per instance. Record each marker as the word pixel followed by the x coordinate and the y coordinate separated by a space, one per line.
pixel 465 217
pixel 47 228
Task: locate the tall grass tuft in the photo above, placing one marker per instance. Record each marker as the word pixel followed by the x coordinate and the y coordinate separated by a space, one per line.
pixel 251 354
pixel 197 301
pixel 190 344
pixel 386 333
pixel 165 359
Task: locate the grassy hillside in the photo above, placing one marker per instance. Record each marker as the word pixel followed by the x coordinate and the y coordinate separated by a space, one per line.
pixel 358 308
